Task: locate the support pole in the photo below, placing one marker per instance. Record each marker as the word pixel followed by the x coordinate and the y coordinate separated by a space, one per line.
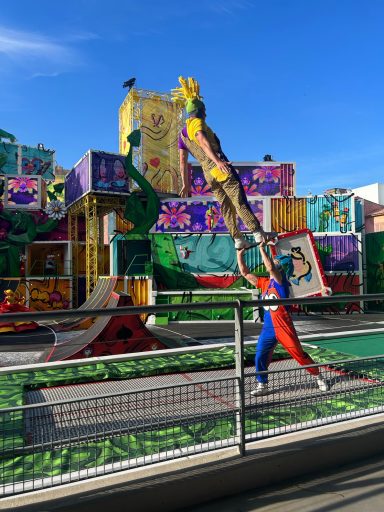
pixel 240 380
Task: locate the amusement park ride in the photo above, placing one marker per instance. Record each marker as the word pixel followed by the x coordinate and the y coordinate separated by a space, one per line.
pixel 115 225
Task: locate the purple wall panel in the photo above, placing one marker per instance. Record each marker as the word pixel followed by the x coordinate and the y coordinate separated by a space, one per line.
pixel 257 179
pixel 77 181
pixel 339 252
pixel 198 217
pixel 108 175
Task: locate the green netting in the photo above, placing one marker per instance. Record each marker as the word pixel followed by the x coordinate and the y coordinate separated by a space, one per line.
pixel 124 447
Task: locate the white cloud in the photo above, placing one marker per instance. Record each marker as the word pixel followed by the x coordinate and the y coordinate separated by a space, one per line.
pixel 38 54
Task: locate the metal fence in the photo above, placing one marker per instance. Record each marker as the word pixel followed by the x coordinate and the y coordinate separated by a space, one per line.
pixel 135 422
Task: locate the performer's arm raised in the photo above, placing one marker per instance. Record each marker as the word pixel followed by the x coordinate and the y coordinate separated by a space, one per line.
pixel 270 266
pixel 244 270
pixel 185 189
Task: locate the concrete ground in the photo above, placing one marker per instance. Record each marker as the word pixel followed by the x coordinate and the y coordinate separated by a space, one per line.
pixel 353 488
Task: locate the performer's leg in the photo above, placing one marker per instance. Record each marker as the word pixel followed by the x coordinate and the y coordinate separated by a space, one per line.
pixel 295 349
pixel 293 346
pixel 264 351
pixel 235 191
pixel 228 211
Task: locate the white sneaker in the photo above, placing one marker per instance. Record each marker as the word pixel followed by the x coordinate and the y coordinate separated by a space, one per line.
pixel 322 384
pixel 261 389
pixel 263 236
pixel 242 243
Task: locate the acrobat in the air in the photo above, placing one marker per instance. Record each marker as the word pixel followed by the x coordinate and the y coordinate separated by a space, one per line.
pixel 198 139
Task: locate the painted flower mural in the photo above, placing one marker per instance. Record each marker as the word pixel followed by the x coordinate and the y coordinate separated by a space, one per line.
pixel 200 187
pixel 174 216
pixel 267 179
pixel 56 210
pixel 269 174
pixel 198 217
pixel 22 190
pixel 249 189
pixel 197 226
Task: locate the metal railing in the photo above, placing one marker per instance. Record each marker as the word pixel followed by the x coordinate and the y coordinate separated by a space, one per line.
pixel 57 439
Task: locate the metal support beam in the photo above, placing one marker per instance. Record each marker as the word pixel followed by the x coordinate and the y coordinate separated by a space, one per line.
pixel 73 237
pixel 93 207
pixel 240 381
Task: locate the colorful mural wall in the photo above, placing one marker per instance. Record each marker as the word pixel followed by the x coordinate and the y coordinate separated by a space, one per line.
pixel 340 253
pixel 188 261
pixel 49 293
pixel 160 121
pixel 159 142
pixel 185 216
pixel 24 192
pixel 325 214
pixel 330 213
pixel 258 179
pixel 204 314
pixel 20 159
pixel 212 254
pixel 97 172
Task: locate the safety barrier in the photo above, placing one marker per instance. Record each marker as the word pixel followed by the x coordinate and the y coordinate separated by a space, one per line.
pixel 62 436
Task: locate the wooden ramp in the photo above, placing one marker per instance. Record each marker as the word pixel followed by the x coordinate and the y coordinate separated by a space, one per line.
pixel 98 299
pixel 108 335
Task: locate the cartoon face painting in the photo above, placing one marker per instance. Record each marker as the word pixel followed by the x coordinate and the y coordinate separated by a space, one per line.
pixel 119 175
pixel 102 182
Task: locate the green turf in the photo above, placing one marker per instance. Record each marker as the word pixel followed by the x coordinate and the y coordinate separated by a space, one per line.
pixel 361 346
pixel 29 464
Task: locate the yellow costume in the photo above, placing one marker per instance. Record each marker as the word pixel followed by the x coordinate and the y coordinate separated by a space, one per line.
pixel 226 186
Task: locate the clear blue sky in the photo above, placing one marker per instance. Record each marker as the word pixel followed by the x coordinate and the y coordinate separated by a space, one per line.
pixel 299 79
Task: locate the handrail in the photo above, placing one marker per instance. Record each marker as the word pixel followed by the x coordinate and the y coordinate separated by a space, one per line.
pixel 239 406
pixel 163 308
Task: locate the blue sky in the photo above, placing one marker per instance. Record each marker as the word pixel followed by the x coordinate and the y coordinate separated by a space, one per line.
pixel 299 79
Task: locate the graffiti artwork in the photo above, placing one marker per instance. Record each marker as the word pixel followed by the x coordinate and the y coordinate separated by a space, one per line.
pixel 160 123
pixel 49 294
pixel 301 262
pixel 339 252
pixel 26 160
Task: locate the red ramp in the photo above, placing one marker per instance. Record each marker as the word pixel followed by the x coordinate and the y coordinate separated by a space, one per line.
pixel 109 336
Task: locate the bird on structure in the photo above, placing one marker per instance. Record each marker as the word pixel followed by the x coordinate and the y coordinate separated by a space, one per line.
pixel 129 83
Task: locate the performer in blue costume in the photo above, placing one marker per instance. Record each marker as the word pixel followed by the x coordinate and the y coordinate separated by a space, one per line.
pixel 278 325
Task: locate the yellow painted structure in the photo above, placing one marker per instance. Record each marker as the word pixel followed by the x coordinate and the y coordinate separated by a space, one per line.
pixel 160 121
pixel 288 214
pixel 139 288
pixel 93 208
